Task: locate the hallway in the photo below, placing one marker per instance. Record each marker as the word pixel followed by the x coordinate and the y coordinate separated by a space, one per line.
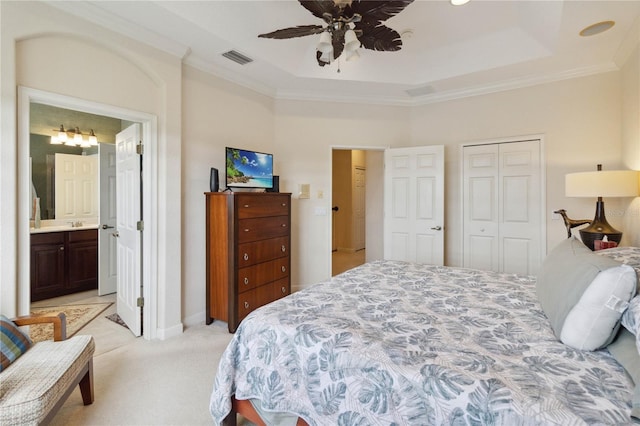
pixel 342 261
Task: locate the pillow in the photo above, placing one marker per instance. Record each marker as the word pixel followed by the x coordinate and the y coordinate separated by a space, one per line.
pixel 565 275
pixel 13 342
pixel 625 352
pixel 594 320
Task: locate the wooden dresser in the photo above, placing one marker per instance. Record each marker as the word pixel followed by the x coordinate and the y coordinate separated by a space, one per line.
pixel 248 259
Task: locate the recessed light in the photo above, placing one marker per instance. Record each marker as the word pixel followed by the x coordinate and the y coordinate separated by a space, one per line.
pixel 598 28
pixel 459 2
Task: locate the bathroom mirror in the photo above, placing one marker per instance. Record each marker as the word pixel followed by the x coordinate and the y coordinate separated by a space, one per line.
pixel 44 122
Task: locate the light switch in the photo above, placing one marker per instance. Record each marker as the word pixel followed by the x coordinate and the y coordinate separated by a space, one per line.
pixel 305 191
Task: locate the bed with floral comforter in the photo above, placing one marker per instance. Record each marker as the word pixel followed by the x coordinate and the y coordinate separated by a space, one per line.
pixel 394 343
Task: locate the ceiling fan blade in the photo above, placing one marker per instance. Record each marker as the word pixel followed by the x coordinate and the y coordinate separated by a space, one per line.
pixel 320 7
pixel 380 38
pixel 374 12
pixel 299 31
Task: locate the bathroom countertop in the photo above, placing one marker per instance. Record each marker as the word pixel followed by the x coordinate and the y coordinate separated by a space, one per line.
pixel 59 228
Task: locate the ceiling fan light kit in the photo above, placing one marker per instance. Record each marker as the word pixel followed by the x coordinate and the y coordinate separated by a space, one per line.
pixel 350 25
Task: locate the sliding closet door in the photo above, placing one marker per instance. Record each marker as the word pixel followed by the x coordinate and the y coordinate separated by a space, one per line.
pixel 503 218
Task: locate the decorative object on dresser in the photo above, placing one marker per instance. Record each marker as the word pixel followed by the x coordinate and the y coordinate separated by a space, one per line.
pixel 571 223
pixel 248 260
pixel 610 183
pixel 214 180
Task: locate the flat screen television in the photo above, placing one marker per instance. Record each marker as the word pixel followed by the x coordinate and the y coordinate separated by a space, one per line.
pixel 249 169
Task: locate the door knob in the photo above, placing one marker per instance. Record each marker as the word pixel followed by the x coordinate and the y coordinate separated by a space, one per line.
pixel 105 226
pixel 437 228
pixel 116 234
pixel 335 208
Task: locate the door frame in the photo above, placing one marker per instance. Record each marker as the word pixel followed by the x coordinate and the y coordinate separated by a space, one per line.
pixel 543 184
pixel 330 215
pixel 149 123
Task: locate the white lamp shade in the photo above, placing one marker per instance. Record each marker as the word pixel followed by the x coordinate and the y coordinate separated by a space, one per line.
pixel 325 46
pixel 55 140
pixel 604 183
pixel 351 42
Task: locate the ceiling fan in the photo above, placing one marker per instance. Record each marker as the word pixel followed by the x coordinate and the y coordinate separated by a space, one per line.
pixel 350 24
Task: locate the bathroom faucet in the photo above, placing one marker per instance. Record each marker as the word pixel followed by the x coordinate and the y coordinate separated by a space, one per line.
pixel 75 224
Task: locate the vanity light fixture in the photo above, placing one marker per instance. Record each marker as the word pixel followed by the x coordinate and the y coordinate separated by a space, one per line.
pixel 62 134
pixel 73 138
pixel 93 140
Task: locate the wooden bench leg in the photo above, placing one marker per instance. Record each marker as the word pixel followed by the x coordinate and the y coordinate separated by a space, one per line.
pixel 86 385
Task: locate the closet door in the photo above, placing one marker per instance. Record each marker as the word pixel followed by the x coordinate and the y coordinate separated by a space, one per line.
pixel 503 223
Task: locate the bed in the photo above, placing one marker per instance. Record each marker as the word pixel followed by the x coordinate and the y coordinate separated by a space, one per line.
pixel 394 343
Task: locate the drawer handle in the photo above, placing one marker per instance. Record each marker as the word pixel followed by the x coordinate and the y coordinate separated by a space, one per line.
pixel 284 269
pixel 246 256
pixel 284 248
pixel 61 249
pixel 284 204
pixel 246 305
pixel 246 281
pixel 246 206
pixel 284 290
pixel 284 225
pixel 247 230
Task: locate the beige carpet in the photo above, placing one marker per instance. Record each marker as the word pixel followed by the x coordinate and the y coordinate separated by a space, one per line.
pixel 77 317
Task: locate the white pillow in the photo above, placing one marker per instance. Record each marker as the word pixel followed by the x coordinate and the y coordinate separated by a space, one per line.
pixel 591 322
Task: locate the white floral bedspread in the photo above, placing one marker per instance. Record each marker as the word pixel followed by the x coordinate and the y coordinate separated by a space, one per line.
pixel 393 343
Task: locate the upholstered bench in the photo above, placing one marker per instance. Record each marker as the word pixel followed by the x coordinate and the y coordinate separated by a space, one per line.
pixel 37 383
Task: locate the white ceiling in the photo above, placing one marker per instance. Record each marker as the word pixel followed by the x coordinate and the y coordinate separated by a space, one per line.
pixel 453 52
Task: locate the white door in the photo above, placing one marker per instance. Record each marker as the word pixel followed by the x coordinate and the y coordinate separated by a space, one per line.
pixel 414 204
pixel 129 238
pixel 107 243
pixel 76 186
pixel 502 213
pixel 359 208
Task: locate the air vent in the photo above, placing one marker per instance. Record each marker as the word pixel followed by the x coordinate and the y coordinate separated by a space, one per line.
pixel 420 91
pixel 237 57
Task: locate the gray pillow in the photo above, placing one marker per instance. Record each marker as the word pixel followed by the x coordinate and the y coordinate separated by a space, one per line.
pixel 565 274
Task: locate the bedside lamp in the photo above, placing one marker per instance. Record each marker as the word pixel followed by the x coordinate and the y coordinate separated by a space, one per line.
pixel 614 183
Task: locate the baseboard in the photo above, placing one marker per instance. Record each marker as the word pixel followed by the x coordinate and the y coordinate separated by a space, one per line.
pixel 165 333
pixel 195 319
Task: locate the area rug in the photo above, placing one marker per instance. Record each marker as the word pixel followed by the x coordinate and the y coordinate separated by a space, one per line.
pixel 77 317
pixel 116 318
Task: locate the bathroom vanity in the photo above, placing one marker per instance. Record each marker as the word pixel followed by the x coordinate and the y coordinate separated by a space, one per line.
pixel 64 260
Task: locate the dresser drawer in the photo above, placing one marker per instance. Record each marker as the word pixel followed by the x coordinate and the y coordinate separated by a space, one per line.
pixel 262 228
pixel 261 251
pixel 265 205
pixel 253 299
pixel 262 273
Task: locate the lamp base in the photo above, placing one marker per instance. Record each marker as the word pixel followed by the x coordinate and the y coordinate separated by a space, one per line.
pixel 599 228
pixel 588 238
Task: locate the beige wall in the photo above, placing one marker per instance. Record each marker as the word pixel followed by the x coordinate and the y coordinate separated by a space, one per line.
pixel 580 122
pixel 216 114
pixel 198 114
pixel 305 133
